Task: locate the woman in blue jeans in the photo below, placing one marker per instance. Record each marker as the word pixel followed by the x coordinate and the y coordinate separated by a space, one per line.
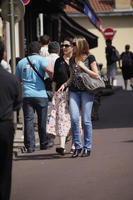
pixel 80 98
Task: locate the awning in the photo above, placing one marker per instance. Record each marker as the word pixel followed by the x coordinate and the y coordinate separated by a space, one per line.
pixel 71 28
pixel 53 11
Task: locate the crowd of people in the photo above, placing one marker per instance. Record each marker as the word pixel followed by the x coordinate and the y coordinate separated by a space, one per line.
pixel 70 109
pixel 123 60
pixel 69 113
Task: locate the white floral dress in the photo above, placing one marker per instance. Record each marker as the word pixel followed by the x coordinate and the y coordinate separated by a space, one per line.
pixel 59 117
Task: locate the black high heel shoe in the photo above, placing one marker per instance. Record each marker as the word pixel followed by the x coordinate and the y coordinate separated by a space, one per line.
pixel 60 151
pixel 76 153
pixel 86 153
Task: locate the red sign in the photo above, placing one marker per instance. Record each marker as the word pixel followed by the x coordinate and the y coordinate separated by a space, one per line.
pixel 109 33
pixel 25 2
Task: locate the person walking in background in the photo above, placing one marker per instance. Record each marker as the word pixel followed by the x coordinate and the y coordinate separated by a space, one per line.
pixel 79 97
pixel 54 52
pixel 127 66
pixel 6 66
pixel 34 96
pixel 10 100
pixel 59 123
pixel 111 57
pixel 44 40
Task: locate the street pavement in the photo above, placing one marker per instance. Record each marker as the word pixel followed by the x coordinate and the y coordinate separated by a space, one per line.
pixel 106 175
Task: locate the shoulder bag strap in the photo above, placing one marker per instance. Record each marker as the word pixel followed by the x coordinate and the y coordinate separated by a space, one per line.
pixel 33 67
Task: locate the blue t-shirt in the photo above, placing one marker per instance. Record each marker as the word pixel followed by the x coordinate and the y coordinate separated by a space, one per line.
pixel 33 86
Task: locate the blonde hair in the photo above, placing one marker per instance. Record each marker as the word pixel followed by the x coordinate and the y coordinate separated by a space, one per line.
pixel 82 46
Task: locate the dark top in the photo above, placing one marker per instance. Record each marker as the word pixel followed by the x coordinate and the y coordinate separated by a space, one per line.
pixel 77 84
pixel 127 59
pixel 10 98
pixel 109 50
pixel 61 72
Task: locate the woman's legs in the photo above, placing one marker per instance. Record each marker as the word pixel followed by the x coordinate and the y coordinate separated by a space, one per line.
pixel 62 141
pixel 131 83
pixel 61 149
pixel 87 103
pixel 74 105
pixel 125 84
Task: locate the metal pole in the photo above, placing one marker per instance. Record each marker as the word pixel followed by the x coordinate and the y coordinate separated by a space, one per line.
pixel 12 36
pixel 12 39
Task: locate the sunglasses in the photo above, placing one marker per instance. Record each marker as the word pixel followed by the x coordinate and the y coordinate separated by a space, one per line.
pixel 65 45
pixel 74 44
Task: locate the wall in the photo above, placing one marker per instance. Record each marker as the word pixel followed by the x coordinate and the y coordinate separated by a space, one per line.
pixel 122 4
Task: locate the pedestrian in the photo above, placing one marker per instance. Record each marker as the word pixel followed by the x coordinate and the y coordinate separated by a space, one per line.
pixel 54 51
pixel 112 56
pixel 79 97
pixel 6 66
pixel 59 122
pixel 97 100
pixel 34 96
pixel 44 40
pixel 10 100
pixel 127 66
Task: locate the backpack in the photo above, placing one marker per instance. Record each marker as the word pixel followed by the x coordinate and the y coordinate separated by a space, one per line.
pixel 115 55
pixel 127 59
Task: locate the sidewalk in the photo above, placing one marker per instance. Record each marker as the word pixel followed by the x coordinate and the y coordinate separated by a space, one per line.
pixel 106 175
pixel 18 140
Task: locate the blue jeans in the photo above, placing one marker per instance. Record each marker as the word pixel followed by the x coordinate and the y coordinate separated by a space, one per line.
pixel 82 100
pixel 30 105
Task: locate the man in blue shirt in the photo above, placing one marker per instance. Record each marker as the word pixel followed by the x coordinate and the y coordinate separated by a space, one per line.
pixel 34 96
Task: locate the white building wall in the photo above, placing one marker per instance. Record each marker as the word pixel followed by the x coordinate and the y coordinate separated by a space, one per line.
pixel 8 41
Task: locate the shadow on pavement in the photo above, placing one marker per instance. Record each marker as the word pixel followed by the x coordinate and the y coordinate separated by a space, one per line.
pixel 116 111
pixel 39 156
pixel 128 141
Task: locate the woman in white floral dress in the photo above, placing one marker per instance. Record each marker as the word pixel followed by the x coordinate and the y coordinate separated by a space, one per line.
pixel 59 121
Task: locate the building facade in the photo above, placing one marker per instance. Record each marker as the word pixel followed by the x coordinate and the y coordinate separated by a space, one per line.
pixel 116 14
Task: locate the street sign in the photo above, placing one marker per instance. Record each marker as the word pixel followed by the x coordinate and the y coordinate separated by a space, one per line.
pixel 109 33
pixel 25 2
pixel 19 10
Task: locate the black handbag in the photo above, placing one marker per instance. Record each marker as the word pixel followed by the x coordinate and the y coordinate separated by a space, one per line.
pixel 47 82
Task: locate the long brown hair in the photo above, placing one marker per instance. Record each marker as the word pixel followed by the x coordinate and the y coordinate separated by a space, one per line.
pixel 82 46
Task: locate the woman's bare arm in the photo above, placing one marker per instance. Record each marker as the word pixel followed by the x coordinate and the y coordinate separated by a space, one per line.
pixel 67 83
pixel 94 70
pixel 53 87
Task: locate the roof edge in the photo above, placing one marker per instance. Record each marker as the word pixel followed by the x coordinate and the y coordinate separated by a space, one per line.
pixel 104 14
pixel 116 13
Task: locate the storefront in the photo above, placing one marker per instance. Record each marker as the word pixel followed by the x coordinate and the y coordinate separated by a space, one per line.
pixel 48 17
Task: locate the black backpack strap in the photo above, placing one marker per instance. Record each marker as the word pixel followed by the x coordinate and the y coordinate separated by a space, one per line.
pixel 33 67
pixel 44 81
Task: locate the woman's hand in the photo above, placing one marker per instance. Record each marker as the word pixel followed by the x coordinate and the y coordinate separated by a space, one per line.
pixel 61 89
